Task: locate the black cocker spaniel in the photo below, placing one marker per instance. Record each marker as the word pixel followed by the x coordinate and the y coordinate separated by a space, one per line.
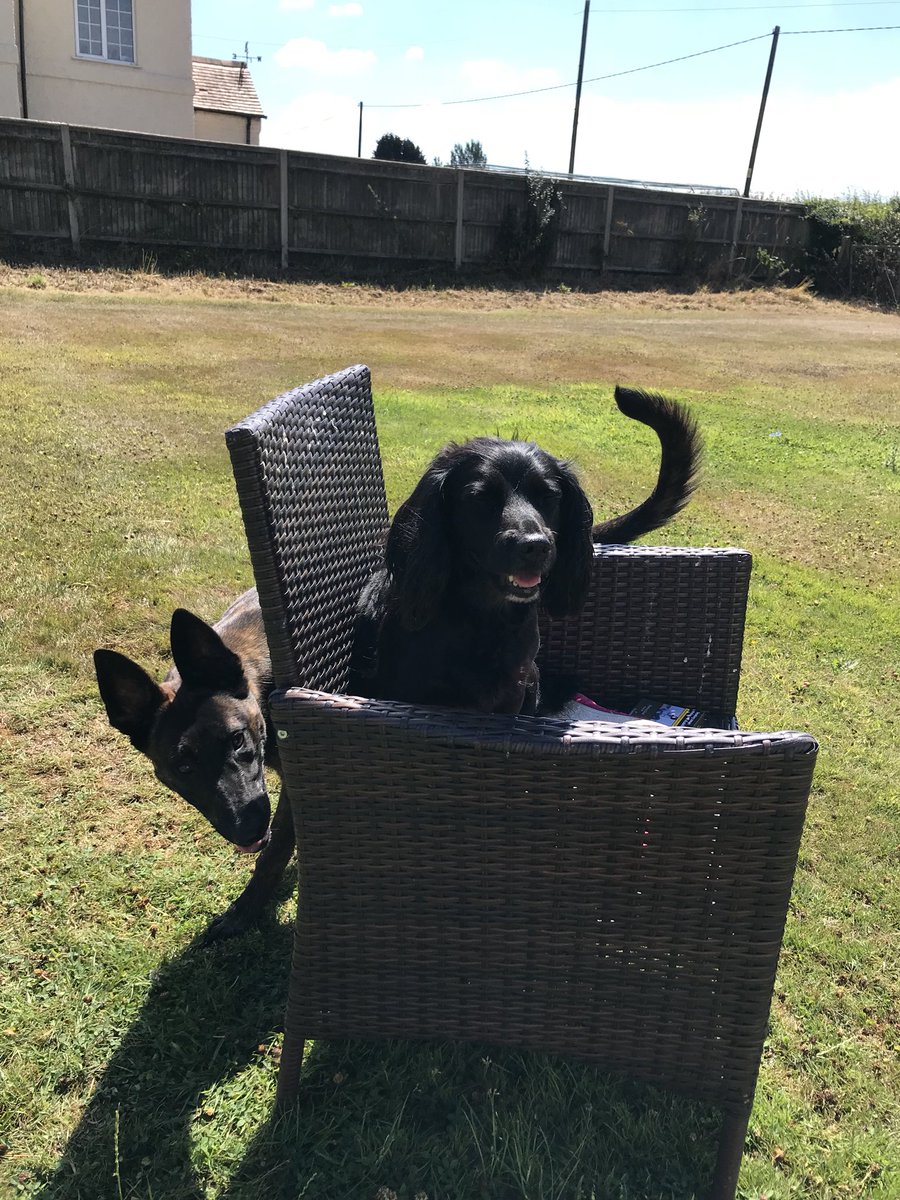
pixel 494 530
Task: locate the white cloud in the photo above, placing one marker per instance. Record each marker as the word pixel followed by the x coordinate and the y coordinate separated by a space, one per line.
pixel 321 122
pixel 316 57
pixel 669 141
pixel 289 5
pixel 491 76
pixel 345 10
pixel 414 54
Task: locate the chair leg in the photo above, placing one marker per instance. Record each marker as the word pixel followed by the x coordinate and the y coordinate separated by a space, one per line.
pixel 294 1040
pixel 289 1070
pixel 731 1148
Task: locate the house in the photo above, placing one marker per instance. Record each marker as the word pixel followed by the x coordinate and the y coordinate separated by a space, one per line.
pixel 119 64
pixel 226 107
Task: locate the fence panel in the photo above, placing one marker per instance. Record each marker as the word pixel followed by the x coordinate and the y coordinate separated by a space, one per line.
pixel 261 210
pixel 32 181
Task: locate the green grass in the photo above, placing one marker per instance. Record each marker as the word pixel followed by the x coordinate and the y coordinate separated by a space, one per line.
pixel 137 1065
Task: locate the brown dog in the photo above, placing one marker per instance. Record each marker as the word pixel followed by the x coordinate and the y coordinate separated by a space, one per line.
pixel 206 731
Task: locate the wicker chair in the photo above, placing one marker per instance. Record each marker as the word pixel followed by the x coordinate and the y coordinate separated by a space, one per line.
pixel 608 892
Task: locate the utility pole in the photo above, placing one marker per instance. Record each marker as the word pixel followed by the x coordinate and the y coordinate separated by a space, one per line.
pixel 359 142
pixel 762 109
pixel 584 29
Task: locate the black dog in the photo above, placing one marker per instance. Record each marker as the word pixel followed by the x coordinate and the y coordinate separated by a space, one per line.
pixel 206 731
pixel 493 530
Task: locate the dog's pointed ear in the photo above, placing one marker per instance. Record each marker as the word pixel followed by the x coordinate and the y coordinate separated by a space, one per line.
pixel 131 697
pixel 417 553
pixel 202 658
pixel 566 587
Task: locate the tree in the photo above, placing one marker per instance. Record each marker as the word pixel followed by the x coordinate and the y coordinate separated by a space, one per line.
pixel 396 149
pixel 470 155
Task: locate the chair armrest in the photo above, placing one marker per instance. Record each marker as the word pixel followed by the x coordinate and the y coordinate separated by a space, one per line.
pixel 661 623
pixel 612 892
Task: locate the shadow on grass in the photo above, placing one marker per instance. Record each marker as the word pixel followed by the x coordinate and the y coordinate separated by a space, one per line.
pixel 396 1121
pixel 206 1013
pixel 374 1121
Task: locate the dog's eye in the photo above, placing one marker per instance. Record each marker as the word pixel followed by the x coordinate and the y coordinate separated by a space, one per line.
pixel 481 494
pixel 237 739
pixel 184 761
pixel 544 492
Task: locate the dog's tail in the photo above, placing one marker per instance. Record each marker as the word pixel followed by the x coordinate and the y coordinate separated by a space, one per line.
pixel 682 448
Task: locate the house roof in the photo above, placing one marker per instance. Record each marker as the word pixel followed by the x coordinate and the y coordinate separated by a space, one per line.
pixel 221 85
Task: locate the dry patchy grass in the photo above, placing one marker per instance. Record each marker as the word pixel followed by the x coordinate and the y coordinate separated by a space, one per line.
pixel 483 298
pixel 116 504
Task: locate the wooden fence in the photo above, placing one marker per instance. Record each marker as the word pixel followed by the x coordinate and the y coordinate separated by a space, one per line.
pixel 100 195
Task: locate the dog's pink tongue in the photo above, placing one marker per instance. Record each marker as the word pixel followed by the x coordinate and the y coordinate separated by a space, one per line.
pixel 254 847
pixel 526 581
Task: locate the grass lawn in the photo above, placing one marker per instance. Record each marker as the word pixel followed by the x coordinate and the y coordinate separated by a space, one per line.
pixel 134 1064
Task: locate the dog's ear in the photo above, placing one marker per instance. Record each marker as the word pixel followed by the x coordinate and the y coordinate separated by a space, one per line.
pixel 131 697
pixel 566 587
pixel 417 553
pixel 202 658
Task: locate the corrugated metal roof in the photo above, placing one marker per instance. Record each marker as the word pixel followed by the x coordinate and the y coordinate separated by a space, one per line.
pixel 711 189
pixel 223 86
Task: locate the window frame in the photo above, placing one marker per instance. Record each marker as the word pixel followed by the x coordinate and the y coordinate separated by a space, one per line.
pixel 104 57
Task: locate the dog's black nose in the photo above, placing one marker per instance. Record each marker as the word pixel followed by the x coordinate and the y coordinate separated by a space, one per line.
pixel 532 548
pixel 252 821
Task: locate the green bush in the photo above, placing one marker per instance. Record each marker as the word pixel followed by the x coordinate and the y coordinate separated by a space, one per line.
pixel 854 247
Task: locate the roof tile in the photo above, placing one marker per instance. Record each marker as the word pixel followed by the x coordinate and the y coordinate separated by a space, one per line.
pixel 224 86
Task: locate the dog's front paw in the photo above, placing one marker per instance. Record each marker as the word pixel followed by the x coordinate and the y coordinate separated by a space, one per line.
pixel 235 920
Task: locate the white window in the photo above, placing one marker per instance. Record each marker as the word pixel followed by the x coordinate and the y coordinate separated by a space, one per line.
pixel 105 29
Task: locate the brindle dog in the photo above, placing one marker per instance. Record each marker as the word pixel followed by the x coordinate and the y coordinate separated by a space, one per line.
pixel 207 733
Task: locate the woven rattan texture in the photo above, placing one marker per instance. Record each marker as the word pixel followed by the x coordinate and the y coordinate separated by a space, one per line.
pixel 614 895
pixel 661 623
pixel 308 474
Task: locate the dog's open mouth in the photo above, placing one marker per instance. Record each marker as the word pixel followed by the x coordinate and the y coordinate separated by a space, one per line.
pixel 522 587
pixel 255 847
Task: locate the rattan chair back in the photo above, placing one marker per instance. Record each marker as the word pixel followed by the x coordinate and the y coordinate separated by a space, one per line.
pixel 309 482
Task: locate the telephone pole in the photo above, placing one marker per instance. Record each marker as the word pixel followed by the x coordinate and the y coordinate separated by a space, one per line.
pixel 762 109
pixel 584 29
pixel 359 142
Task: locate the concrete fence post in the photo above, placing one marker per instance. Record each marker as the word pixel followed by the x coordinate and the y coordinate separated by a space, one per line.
pixel 735 234
pixel 458 241
pixel 607 227
pixel 283 208
pixel 65 138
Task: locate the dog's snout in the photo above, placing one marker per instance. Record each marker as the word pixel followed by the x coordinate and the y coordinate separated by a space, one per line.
pixel 534 547
pixel 252 821
pixel 530 549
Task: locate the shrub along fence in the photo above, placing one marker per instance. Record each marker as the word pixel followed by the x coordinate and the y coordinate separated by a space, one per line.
pixel 100 195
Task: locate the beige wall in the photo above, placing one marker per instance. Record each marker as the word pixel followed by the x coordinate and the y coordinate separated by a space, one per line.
pixel 9 61
pixel 155 95
pixel 225 127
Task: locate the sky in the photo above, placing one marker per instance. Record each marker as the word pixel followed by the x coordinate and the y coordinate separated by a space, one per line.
pixel 428 71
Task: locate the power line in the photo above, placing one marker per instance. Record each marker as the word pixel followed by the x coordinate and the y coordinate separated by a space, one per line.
pixel 717 8
pixel 556 87
pixel 709 8
pixel 857 29
pixel 595 79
